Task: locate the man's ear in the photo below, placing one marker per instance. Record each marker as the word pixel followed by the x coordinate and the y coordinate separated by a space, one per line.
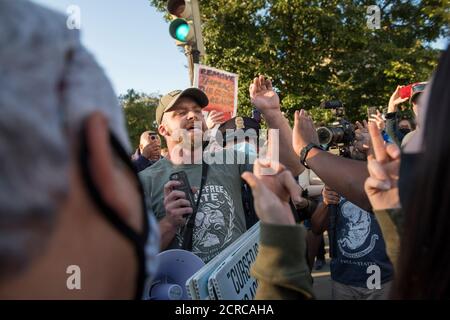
pixel 163 131
pixel 101 161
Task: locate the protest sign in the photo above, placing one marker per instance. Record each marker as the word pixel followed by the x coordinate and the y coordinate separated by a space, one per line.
pixel 220 86
pixel 232 279
pixel 197 285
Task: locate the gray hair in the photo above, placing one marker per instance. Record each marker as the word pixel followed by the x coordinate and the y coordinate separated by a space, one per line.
pixel 48 84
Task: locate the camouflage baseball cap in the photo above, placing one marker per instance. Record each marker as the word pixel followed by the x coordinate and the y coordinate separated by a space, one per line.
pixel 169 100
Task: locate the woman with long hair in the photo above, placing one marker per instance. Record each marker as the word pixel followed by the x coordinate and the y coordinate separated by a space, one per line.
pixel 418 182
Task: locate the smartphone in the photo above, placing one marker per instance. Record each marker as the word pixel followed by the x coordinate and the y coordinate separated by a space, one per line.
pixel 371 111
pixel 405 92
pixel 181 176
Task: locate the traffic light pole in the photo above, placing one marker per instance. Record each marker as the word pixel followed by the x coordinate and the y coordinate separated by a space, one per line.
pixel 194 52
pixel 187 31
pixel 193 56
pixel 198 27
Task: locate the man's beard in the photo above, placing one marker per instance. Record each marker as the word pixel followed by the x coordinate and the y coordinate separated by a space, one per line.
pixel 188 147
pixel 189 139
pixel 194 139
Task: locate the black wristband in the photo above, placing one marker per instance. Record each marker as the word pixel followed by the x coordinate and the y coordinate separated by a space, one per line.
pixel 391 115
pixel 304 153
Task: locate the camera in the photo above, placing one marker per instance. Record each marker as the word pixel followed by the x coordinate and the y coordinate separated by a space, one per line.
pixel 153 135
pixel 339 134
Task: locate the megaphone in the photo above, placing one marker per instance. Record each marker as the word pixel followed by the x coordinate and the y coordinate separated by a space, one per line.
pixel 176 266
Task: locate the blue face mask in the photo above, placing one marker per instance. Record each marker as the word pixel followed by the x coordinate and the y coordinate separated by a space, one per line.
pixel 247 148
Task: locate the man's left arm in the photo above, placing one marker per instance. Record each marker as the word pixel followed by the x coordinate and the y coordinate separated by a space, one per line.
pixel 267 101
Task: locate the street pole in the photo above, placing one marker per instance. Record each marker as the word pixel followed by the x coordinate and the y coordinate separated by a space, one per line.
pixel 186 29
pixel 195 51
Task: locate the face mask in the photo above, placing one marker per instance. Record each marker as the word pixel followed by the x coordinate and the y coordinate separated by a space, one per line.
pixel 146 244
pixel 408 175
pixel 404 131
pixel 247 148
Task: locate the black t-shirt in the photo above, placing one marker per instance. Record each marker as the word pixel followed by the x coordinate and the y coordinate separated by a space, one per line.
pixel 359 244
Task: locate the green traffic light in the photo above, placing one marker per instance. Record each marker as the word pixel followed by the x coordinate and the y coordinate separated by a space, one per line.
pixel 182 32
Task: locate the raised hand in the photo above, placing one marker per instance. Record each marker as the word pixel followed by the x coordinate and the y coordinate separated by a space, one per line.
pixel 362 136
pixel 381 185
pixel 395 100
pixel 304 131
pixel 262 95
pixel 151 151
pixel 378 120
pixel 214 118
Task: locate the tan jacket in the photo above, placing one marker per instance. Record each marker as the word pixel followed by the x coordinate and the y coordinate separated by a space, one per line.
pixel 391 223
pixel 280 267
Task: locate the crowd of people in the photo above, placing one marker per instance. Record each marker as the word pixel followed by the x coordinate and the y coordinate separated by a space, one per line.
pixel 73 193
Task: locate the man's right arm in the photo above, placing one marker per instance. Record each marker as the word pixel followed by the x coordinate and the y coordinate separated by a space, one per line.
pixel 177 207
pixel 167 231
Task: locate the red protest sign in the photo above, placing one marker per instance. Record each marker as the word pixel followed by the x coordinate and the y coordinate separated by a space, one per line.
pixel 220 86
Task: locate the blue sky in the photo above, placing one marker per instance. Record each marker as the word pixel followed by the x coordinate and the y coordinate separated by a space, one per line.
pixel 130 39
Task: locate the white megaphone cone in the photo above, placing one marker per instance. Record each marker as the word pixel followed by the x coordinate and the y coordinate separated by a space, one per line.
pixel 176 266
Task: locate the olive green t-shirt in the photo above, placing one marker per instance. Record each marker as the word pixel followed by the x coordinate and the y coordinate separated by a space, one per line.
pixel 220 219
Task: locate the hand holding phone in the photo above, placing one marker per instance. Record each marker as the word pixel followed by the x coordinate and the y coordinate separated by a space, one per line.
pixel 371 111
pixel 184 186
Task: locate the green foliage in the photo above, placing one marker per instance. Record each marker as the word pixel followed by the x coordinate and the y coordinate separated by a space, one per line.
pixel 140 112
pixel 317 50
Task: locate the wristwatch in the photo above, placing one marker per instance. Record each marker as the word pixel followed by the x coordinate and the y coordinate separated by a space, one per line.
pixel 304 153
